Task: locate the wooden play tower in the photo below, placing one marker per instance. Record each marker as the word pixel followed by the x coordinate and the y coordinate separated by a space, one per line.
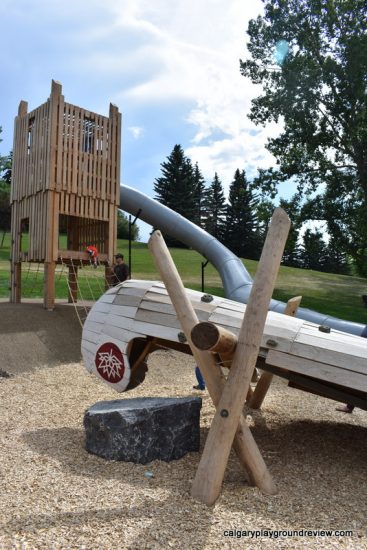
pixel 66 179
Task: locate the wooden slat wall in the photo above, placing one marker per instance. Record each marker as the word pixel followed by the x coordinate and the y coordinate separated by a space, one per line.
pixel 88 162
pixel 30 163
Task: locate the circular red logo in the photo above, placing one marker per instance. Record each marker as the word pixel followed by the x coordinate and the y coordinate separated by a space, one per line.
pixel 110 363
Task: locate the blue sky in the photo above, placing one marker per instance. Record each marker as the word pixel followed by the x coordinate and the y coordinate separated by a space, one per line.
pixel 171 66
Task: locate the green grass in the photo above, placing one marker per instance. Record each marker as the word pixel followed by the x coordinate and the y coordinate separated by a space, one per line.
pixel 336 295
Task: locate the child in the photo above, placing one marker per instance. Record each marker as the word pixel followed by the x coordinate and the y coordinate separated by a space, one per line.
pixel 93 254
pixel 200 379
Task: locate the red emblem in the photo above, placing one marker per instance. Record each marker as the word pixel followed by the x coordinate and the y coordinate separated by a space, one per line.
pixel 110 363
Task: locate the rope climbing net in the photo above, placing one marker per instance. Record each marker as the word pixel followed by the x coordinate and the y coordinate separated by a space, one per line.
pixel 85 284
pixel 32 280
pixel 79 282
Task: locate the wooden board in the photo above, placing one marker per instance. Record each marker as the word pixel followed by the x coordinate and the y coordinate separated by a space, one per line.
pixel 315 352
pixel 321 371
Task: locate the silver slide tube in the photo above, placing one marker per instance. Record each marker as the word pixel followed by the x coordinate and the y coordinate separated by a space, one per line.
pixel 237 282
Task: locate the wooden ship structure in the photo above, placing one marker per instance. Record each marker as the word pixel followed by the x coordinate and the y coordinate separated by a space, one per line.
pixel 65 179
pixel 138 317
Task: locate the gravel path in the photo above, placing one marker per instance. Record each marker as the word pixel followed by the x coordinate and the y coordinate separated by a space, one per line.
pixel 55 495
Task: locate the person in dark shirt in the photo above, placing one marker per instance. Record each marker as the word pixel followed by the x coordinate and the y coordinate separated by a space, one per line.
pixel 120 270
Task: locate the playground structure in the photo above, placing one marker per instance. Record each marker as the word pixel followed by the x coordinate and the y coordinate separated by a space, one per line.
pixel 66 178
pixel 66 171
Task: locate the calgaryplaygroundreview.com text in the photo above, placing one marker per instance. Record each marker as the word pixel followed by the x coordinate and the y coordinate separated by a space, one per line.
pixel 284 533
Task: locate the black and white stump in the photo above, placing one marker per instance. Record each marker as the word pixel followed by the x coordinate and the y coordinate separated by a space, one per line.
pixel 143 429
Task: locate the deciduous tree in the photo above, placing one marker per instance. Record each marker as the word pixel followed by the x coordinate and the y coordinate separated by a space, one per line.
pixel 310 56
pixel 123 227
pixel 5 209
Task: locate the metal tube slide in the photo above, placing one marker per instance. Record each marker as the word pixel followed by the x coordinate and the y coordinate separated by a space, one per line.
pixel 237 282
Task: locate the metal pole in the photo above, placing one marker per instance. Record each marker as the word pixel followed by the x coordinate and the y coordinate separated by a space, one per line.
pixel 203 266
pixel 131 223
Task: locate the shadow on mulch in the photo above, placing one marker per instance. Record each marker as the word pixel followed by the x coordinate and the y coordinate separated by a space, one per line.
pixel 31 336
pixel 67 446
pixel 301 444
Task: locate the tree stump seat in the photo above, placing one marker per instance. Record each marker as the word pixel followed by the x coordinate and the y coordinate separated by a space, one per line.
pixel 140 430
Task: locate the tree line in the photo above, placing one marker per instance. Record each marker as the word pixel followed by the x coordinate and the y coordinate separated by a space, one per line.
pixel 241 222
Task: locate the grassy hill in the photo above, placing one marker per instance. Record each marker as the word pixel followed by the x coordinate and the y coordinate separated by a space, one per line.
pixel 337 295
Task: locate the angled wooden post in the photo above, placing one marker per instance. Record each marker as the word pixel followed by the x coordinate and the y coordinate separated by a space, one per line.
pixel 292 306
pixel 209 476
pixel 266 378
pixel 244 443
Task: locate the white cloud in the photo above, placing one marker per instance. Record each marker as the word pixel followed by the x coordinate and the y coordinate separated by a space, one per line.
pixel 240 150
pixel 135 131
pixel 195 48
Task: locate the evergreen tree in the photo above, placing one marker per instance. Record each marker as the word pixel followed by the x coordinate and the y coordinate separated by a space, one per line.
pixel 292 251
pixel 241 231
pixel 215 209
pixel 176 187
pixel 336 260
pixel 200 197
pixel 314 250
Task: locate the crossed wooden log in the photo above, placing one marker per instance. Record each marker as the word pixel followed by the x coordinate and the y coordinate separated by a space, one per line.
pixel 229 426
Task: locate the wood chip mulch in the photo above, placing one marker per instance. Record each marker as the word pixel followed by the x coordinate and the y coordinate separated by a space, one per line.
pixel 54 495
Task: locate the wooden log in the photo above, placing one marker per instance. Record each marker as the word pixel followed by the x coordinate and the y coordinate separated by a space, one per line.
pixel 345 377
pixel 244 443
pixel 17 293
pixel 261 390
pixel 208 336
pixel 266 378
pixel 209 476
